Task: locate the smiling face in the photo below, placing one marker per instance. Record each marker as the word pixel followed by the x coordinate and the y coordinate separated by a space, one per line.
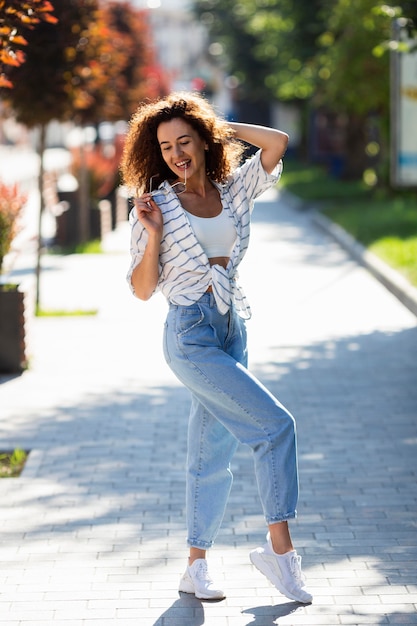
pixel 182 148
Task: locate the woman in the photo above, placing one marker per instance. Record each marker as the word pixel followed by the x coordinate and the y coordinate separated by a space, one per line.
pixel 190 230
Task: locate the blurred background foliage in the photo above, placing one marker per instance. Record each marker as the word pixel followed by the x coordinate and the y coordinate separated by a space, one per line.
pixel 94 60
pixel 319 69
pixel 329 55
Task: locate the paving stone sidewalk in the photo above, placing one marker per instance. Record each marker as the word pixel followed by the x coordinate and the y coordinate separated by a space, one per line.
pixel 92 533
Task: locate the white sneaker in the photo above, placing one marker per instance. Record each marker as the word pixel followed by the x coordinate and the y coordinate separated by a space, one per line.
pixel 196 580
pixel 283 571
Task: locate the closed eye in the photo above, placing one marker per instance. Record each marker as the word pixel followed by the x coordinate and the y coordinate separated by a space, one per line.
pixel 165 148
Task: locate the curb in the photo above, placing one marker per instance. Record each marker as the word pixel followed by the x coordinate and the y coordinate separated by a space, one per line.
pixel 390 278
pixel 395 282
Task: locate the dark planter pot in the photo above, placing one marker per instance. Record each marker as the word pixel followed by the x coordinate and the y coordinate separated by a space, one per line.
pixel 12 330
pixel 67 230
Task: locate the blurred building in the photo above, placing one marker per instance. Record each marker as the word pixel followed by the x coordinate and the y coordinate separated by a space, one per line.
pixel 183 49
pixel 181 45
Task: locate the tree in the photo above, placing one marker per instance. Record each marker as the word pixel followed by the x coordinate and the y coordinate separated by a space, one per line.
pixel 227 22
pixel 121 40
pixel 15 17
pixel 268 44
pixel 137 76
pixel 120 72
pixel 112 79
pixel 327 54
pixel 353 74
pixel 50 84
pixel 76 68
pixel 351 79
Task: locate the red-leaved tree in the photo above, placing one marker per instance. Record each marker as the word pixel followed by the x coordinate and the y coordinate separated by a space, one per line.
pixel 89 62
pixel 16 17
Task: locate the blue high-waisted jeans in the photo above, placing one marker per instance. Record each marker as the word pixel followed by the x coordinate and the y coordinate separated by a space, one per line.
pixel 208 354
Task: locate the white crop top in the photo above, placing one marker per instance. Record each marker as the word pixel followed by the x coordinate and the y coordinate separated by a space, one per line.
pixel 216 235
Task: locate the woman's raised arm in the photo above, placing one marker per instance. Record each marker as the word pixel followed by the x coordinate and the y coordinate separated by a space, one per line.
pixel 273 142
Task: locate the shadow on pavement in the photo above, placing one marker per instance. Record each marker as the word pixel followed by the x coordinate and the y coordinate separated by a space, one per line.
pixel 267 615
pixel 187 610
pixel 110 468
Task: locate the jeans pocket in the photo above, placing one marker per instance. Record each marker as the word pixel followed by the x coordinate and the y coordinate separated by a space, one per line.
pixel 189 317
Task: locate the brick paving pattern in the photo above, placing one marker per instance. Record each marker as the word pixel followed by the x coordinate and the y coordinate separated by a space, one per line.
pixel 92 533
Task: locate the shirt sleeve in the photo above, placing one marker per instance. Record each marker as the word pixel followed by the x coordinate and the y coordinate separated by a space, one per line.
pixel 254 178
pixel 138 241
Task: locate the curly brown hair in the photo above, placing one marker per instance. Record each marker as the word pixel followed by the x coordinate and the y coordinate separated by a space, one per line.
pixel 142 156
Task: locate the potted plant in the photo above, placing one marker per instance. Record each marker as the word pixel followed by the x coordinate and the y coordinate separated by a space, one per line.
pixel 12 318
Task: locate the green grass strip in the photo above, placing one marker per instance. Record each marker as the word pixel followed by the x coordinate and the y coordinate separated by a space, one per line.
pixel 12 463
pixel 64 313
pixel 383 220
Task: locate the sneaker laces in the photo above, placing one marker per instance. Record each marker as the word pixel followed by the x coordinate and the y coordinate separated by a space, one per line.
pixel 295 566
pixel 201 572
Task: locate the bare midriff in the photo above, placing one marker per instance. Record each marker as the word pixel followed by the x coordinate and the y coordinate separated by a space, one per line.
pixel 219 260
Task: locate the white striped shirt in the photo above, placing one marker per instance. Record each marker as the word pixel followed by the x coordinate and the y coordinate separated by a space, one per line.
pixel 184 269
